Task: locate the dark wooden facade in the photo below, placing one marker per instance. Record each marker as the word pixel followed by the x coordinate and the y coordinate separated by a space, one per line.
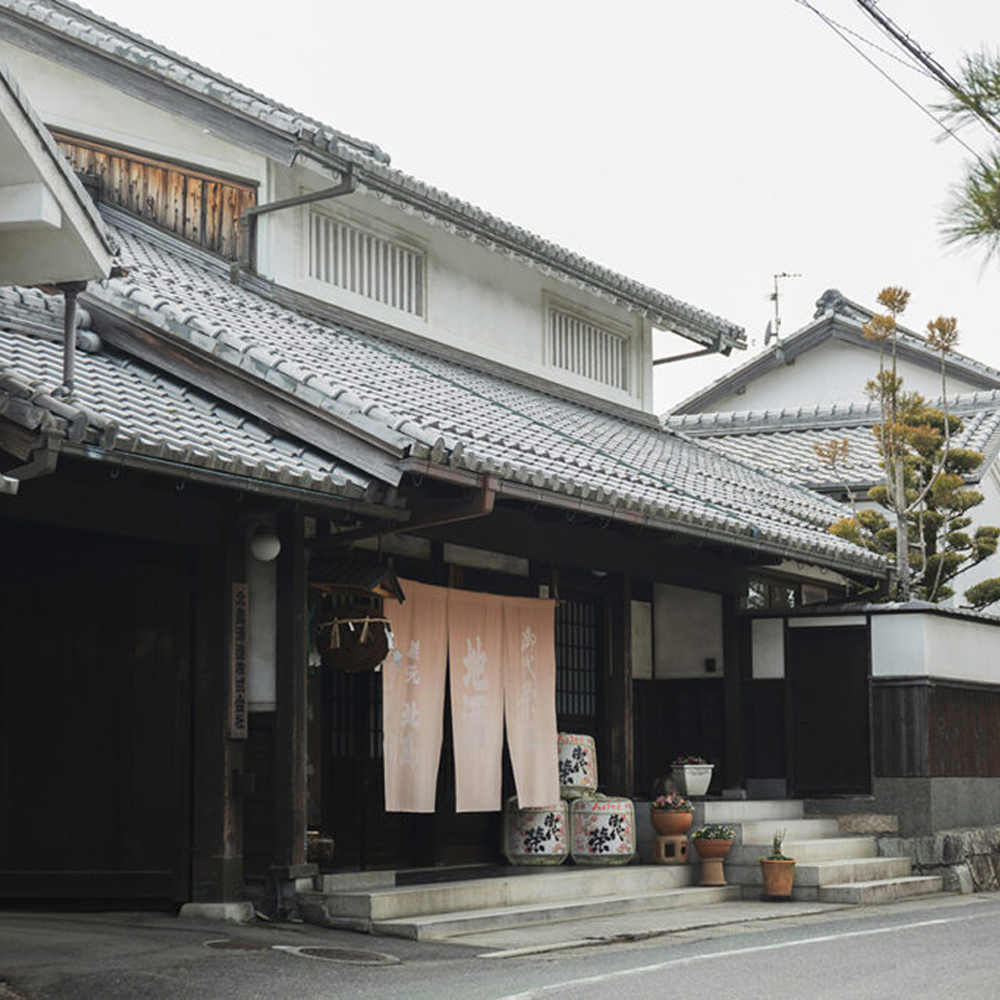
pixel 200 207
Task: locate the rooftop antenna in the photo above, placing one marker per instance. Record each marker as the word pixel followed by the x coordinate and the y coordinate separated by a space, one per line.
pixel 773 331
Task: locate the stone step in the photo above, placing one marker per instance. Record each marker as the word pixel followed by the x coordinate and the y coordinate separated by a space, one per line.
pixel 761 831
pixel 881 890
pixel 810 878
pixel 353 881
pixel 747 810
pixel 444 925
pixel 526 888
pixel 812 849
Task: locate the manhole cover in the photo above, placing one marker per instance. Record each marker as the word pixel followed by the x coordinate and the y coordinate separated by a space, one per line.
pixel 352 956
pixel 225 945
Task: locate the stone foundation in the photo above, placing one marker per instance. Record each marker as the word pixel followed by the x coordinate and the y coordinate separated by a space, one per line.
pixel 968 859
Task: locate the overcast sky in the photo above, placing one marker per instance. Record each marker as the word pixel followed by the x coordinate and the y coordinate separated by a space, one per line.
pixel 698 147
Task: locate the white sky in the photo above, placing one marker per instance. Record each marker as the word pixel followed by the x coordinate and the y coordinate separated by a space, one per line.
pixel 698 147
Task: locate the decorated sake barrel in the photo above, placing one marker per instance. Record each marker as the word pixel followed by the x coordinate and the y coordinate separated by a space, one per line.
pixel 577 765
pixel 602 831
pixel 536 835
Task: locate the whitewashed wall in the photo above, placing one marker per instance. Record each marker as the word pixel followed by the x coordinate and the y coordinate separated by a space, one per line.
pixel 833 372
pixel 687 630
pixel 931 645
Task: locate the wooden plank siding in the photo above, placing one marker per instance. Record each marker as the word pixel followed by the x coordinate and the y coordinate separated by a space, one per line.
pixel 200 207
pixel 964 732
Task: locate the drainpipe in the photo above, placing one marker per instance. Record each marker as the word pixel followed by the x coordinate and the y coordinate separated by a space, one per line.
pixel 70 290
pixel 248 220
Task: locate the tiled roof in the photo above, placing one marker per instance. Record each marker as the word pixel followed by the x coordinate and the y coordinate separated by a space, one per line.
pixel 454 414
pixel 122 405
pixel 373 172
pixel 783 441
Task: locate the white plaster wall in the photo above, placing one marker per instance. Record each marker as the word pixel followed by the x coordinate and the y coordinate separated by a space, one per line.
pixel 833 372
pixel 988 512
pixel 642 640
pixel 262 646
pixel 767 644
pixel 687 630
pixel 478 300
pixel 66 99
pixel 935 646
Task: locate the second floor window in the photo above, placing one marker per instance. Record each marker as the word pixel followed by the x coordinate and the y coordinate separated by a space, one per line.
pixel 584 348
pixel 361 262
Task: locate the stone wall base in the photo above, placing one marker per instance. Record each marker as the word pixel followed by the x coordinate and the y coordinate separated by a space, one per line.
pixel 968 860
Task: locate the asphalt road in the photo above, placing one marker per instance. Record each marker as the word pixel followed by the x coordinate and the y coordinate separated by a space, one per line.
pixel 937 946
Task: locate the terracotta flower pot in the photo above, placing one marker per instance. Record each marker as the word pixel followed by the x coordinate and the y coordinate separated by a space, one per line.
pixel 712 848
pixel 671 822
pixel 778 877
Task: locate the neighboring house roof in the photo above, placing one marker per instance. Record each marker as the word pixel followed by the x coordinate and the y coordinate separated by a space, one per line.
pixel 50 230
pixel 38 22
pixel 836 318
pixel 462 421
pixel 784 441
pixel 123 410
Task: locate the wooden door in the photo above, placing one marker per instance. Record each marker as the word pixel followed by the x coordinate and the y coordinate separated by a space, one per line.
pixel 827 673
pixel 94 717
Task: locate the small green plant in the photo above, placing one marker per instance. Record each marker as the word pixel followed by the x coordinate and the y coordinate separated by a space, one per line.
pixel 714 831
pixel 776 855
pixel 673 802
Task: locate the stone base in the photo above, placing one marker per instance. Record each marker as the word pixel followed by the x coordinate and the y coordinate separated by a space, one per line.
pixel 230 913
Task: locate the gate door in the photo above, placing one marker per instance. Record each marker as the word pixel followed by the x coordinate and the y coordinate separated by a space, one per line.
pixel 827 673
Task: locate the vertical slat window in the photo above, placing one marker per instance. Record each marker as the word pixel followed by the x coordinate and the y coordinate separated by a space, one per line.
pixel 585 349
pixel 366 264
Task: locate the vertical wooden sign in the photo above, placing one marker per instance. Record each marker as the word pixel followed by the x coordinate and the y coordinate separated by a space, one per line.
pixel 238 664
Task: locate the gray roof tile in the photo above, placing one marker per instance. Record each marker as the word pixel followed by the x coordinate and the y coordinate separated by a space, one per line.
pixel 479 421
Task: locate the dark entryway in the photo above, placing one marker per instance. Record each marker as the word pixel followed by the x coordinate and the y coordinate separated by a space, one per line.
pixel 827 674
pixel 95 709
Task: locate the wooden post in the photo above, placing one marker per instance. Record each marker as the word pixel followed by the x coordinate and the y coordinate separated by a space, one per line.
pixel 289 797
pixel 734 775
pixel 618 771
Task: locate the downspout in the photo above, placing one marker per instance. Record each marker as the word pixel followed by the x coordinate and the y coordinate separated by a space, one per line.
pixel 248 220
pixel 69 290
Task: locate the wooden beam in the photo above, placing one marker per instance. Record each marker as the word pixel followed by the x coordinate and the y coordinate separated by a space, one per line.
pixel 619 769
pixel 734 772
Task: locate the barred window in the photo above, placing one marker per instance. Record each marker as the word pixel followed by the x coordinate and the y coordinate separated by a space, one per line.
pixel 579 346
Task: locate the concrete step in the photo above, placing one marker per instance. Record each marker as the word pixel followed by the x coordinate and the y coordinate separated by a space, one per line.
pixel 354 881
pixel 761 831
pixel 747 810
pixel 809 850
pixel 881 890
pixel 818 873
pixel 526 888
pixel 444 925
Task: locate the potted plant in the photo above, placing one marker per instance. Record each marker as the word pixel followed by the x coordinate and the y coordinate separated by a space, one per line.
pixel 712 842
pixel 777 870
pixel 671 815
pixel 691 774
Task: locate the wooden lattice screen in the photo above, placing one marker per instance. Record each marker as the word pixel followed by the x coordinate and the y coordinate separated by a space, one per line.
pixel 194 205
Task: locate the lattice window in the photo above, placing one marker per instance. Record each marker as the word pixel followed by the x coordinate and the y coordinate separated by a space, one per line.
pixel 577 644
pixel 361 262
pixel 586 349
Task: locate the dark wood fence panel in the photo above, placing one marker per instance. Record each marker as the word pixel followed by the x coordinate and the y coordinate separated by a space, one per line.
pixel 190 203
pixel 674 717
pixel 764 728
pixel 899 729
pixel 964 731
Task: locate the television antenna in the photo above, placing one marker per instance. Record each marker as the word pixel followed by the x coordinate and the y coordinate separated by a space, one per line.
pixel 773 331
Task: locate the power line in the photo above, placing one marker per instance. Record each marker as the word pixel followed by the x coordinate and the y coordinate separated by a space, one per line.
pixel 930 114
pixel 902 39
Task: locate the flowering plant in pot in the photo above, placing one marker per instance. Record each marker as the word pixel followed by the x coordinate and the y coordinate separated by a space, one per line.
pixel 671 814
pixel 691 774
pixel 777 870
pixel 712 842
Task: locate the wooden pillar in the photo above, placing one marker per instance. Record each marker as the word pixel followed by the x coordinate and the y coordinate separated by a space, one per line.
pixel 616 771
pixel 216 848
pixel 289 795
pixel 735 764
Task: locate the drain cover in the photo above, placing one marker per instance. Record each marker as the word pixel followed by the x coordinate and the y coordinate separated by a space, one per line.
pixel 351 956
